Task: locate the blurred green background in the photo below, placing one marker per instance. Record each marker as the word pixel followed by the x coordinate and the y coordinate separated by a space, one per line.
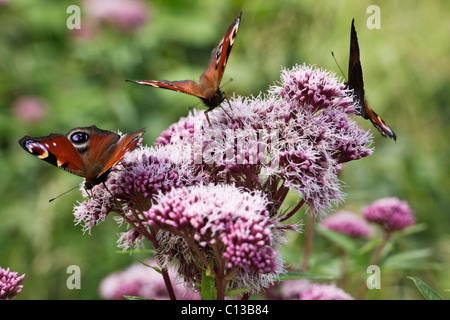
pixel 53 79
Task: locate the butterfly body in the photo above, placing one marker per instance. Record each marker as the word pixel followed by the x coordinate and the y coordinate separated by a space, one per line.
pixel 87 152
pixel 207 88
pixel 356 83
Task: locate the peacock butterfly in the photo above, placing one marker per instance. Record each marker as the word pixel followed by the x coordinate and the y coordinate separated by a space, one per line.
pixel 87 152
pixel 355 82
pixel 207 89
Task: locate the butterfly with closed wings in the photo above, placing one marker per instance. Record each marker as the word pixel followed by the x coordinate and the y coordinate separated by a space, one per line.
pixel 355 82
pixel 87 152
pixel 207 89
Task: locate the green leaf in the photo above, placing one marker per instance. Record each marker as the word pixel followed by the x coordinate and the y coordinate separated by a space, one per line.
pixel 135 251
pixel 237 291
pixel 157 269
pixel 135 298
pixel 416 228
pixel 425 290
pixel 208 287
pixel 343 241
pixel 411 259
pixel 311 277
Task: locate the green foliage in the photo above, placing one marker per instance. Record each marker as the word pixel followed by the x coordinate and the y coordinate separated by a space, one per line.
pixel 425 290
pixel 208 287
pixel 82 82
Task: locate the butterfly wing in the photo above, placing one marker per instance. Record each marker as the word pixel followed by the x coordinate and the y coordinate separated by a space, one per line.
pixel 211 78
pixel 102 150
pixel 207 88
pixel 356 82
pixel 88 152
pixel 355 75
pixel 113 150
pixel 186 86
pixel 57 150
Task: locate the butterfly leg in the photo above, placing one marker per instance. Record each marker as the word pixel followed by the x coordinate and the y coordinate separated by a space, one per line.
pixel 112 196
pixel 227 101
pixel 207 117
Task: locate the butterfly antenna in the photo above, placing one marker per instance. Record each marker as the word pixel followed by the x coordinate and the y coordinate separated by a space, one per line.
pixel 227 112
pixel 332 53
pixel 226 83
pixel 62 194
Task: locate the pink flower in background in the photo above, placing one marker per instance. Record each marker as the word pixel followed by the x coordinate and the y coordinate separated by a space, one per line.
pixel 305 290
pixel 324 292
pixel 141 281
pixel 10 284
pixel 392 213
pixel 30 109
pixel 123 14
pixel 348 223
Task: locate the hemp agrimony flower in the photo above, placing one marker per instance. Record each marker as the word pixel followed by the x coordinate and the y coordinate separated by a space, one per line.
pixel 222 228
pixel 347 223
pixel 305 290
pixel 392 213
pixel 10 284
pixel 141 175
pixel 298 136
pixel 208 198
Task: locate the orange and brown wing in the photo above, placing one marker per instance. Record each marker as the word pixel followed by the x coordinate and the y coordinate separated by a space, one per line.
pixel 208 85
pixel 106 149
pixel 112 153
pixel 88 152
pixel 186 86
pixel 57 150
pixel 211 78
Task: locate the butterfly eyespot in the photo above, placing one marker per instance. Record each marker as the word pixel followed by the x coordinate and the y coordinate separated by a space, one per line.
pixel 79 137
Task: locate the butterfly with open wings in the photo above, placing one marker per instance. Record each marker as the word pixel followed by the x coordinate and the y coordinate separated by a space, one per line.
pixel 355 82
pixel 87 152
pixel 207 89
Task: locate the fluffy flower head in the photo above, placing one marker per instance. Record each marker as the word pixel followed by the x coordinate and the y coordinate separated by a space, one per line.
pixel 223 214
pixel 392 213
pixel 347 223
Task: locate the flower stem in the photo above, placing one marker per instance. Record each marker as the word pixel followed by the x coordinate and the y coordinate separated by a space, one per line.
pixel 307 246
pixel 150 236
pixel 293 211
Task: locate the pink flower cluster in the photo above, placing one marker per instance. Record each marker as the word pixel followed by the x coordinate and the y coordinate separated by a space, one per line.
pixel 391 213
pixel 348 223
pixel 305 290
pixel 299 134
pixel 234 221
pixel 208 197
pixel 124 14
pixel 10 284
